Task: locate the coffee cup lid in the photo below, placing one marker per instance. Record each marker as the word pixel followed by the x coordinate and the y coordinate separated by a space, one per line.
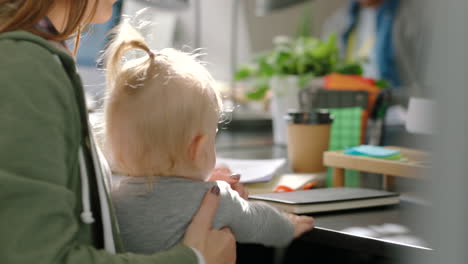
pixel 319 116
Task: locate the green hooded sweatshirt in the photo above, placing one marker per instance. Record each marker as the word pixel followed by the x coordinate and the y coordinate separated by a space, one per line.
pixel 43 126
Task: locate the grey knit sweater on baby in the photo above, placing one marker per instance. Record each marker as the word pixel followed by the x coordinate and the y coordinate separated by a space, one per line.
pixel 153 213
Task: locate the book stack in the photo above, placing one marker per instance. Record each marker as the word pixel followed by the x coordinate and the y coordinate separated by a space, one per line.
pixel 327 199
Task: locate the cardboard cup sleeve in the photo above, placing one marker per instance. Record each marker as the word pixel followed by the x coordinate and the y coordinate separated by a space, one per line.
pixel 306 145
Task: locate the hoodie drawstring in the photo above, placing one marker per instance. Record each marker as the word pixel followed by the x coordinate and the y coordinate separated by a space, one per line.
pixel 87 214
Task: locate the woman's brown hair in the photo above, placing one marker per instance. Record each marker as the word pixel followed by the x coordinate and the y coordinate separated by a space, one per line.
pixel 25 14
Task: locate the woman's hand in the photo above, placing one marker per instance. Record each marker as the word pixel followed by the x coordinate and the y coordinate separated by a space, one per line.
pixel 301 223
pixel 216 246
pixel 225 174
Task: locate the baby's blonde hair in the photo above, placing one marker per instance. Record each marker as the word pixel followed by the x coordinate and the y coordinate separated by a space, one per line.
pixel 156 106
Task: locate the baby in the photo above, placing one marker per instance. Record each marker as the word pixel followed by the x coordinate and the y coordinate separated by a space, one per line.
pixel 161 120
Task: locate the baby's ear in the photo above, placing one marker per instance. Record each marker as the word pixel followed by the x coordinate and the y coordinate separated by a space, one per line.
pixel 197 147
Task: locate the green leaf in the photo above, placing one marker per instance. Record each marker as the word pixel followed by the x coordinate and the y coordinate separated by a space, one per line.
pixel 280 59
pixel 325 50
pixel 266 69
pixel 350 69
pixel 259 90
pixel 382 84
pixel 244 72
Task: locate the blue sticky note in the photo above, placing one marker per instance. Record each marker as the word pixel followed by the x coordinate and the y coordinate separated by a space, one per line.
pixel 372 151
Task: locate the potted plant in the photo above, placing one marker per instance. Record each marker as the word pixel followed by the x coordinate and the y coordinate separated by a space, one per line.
pixel 290 66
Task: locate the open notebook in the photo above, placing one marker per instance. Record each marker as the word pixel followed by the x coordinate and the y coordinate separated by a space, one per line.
pixel 327 199
pixel 253 170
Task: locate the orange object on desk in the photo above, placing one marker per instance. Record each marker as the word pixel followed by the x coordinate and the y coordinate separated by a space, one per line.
pixel 284 188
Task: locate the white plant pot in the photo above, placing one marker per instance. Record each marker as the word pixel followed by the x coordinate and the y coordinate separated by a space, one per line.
pixel 285 92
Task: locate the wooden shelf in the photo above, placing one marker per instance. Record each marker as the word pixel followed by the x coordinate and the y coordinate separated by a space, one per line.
pixel 414 165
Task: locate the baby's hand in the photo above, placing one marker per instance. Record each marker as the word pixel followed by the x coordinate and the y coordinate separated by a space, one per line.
pixel 225 174
pixel 301 223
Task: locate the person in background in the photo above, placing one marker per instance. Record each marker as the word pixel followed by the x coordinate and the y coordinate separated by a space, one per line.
pixel 366 28
pixel 161 118
pixel 54 205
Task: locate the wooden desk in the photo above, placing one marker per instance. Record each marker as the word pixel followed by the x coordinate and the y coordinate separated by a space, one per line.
pixel 331 241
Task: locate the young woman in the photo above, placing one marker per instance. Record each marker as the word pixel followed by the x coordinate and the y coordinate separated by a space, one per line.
pixel 54 206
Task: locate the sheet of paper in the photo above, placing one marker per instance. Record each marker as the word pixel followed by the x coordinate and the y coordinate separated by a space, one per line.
pixel 252 170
